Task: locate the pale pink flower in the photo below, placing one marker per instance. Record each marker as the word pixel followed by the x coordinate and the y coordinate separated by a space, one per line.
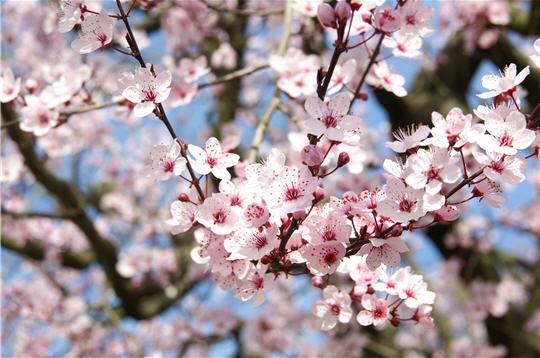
pixel 508 133
pixel 327 227
pixel 409 139
pixel 190 70
pixel 212 159
pixel 504 85
pixel 383 251
pixel 332 120
pixel 146 90
pixel 10 87
pixel 307 8
pixel 535 58
pixel 405 45
pixel 297 72
pixel 402 203
pixel 37 116
pixel 224 57
pixel 387 19
pixel 508 167
pixel 491 191
pixel 183 216
pixel 323 259
pixel 335 307
pixel 456 129
pixel 292 190
pixel 182 93
pixel 164 161
pixel 376 311
pixel 70 14
pixel 343 74
pixel 413 289
pixel 96 32
pixel 217 215
pixel 390 81
pixel 254 283
pixel 415 18
pixel 251 243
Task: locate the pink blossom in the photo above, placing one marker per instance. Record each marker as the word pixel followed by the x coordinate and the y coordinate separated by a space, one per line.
pixel 254 283
pixel 328 226
pixel 402 202
pixel 297 72
pixel 10 87
pixel 491 191
pixel 383 251
pixel 292 190
pixel 390 81
pixel 335 307
pixel 332 120
pixel 456 129
pixel 70 14
pixel 164 161
pixel 535 58
pixel 376 311
pixel 413 289
pixel 224 57
pixel 415 18
pixel 251 243
pixel 212 159
pixel 509 167
pixel 323 259
pixel 37 115
pixel 507 132
pixel 217 215
pixel 96 32
pixel 183 216
pixel 404 45
pixel 409 139
pixel 387 20
pixel 147 90
pixel 504 85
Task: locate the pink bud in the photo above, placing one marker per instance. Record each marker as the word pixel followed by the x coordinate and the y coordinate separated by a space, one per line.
pixel 318 195
pixel 326 16
pixel 312 155
pixel 31 85
pixel 183 198
pixel 317 281
pixel 343 12
pixel 343 159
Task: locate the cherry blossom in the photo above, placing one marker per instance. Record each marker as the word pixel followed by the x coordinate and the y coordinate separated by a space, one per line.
pixel 508 168
pixel 10 87
pixel 254 284
pixel 415 18
pixel 37 116
pixel 507 131
pixel 456 129
pixel 251 243
pixel 297 72
pixel 409 139
pixel 535 58
pixel 390 81
pixel 292 191
pixel 402 203
pixel 183 216
pixel 71 14
pixel 376 311
pixel 412 289
pixel 216 214
pixel 504 85
pixel 164 161
pixel 212 159
pixel 147 90
pixel 96 32
pixel 404 45
pixel 383 251
pixel 332 120
pixel 335 307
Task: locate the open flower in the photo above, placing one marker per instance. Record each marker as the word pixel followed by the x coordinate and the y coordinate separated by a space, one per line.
pixel 335 307
pixel 147 91
pixel 505 84
pixel 212 160
pixel 96 32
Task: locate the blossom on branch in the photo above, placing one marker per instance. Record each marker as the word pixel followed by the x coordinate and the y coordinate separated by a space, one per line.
pixel 147 90
pixel 96 32
pixel 212 159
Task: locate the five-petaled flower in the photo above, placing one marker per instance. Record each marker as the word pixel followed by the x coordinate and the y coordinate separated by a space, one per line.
pixel 96 32
pixel 147 90
pixel 212 159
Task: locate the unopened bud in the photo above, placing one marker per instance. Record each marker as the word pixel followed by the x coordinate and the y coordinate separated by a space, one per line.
pixel 343 12
pixel 395 321
pixel 183 198
pixel 317 281
pixel 343 159
pixel 326 16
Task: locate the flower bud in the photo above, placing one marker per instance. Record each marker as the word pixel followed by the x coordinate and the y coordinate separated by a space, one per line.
pixel 343 159
pixel 183 198
pixel 317 281
pixel 312 155
pixel 343 12
pixel 326 15
pixel 318 195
